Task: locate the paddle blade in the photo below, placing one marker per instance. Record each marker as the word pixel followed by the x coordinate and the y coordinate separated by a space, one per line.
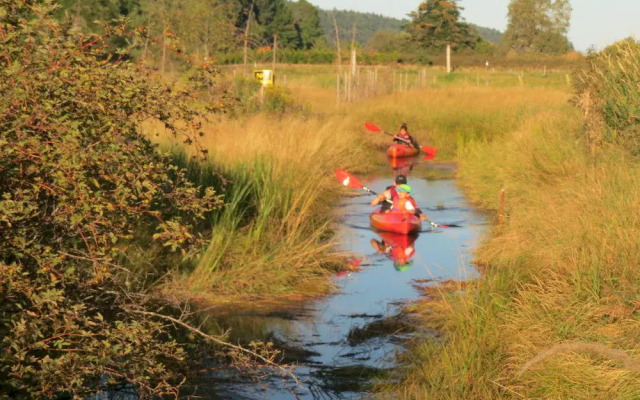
pixel 429 157
pixel 449 226
pixel 348 180
pixel 430 151
pixel 371 127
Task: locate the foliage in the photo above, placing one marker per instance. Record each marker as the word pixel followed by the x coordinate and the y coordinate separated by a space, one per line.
pixel 80 187
pixel 436 24
pixel 489 34
pixel 538 26
pixel 388 41
pixel 307 23
pixel 608 91
pixel 367 24
pixel 275 18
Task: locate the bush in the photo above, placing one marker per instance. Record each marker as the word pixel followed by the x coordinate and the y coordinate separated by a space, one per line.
pixel 608 91
pixel 80 188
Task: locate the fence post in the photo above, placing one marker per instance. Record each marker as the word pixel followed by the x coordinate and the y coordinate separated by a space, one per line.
pixel 501 206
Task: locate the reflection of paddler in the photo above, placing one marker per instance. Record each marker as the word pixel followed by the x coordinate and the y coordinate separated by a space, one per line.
pixel 399 247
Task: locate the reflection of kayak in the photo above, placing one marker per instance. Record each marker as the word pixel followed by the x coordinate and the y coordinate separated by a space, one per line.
pixel 397 239
pixel 399 247
pixel 401 150
pixel 402 163
pixel 397 222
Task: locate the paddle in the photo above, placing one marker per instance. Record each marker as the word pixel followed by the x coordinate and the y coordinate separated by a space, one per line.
pixel 351 181
pixel 429 150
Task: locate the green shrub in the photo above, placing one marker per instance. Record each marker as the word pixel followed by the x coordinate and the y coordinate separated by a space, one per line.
pixel 81 188
pixel 608 91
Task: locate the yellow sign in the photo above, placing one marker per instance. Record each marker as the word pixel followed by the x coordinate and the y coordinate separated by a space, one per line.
pixel 264 76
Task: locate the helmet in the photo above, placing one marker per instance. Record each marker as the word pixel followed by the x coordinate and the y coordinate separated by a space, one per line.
pixel 401 179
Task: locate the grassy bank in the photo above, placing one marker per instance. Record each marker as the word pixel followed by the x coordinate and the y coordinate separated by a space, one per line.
pixel 556 312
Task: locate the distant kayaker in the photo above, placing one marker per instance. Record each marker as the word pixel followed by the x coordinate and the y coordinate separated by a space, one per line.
pixel 403 137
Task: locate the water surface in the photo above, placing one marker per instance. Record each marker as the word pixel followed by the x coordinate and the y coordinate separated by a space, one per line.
pixel 341 341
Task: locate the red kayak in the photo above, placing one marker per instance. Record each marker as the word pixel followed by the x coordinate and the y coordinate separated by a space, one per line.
pixel 401 150
pixel 397 222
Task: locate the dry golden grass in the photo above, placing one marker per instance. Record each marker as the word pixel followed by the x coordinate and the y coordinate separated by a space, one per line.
pixel 561 275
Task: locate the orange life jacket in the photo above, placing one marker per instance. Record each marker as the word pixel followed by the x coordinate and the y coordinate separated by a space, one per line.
pixel 407 205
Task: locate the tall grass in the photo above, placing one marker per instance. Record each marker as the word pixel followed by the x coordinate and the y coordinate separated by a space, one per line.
pixel 561 274
pixel 609 95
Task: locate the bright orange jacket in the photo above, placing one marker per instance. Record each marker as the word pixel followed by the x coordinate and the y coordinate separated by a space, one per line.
pixel 406 205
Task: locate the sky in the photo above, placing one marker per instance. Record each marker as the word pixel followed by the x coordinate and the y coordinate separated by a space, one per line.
pixel 594 23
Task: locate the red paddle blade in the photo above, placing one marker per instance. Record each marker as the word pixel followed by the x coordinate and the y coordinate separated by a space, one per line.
pixel 371 127
pixel 348 180
pixel 429 157
pixel 432 151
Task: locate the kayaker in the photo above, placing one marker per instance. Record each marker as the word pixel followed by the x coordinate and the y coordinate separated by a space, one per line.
pixel 390 194
pixel 405 203
pixel 403 137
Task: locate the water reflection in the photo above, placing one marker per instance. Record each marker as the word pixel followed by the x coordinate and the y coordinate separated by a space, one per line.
pixel 398 247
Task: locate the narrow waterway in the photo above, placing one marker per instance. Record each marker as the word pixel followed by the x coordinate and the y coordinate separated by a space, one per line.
pixel 340 342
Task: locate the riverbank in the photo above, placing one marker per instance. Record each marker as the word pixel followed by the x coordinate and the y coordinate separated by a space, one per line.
pixel 555 314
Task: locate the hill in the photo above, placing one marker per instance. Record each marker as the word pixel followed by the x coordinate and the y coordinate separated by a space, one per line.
pixel 367 24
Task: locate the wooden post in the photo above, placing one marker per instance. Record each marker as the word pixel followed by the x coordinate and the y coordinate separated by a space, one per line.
pixel 448 58
pixel 335 27
pixel 338 88
pixel 275 46
pixel 246 34
pixel 501 206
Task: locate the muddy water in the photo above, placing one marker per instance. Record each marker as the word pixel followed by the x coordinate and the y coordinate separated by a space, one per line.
pixel 342 341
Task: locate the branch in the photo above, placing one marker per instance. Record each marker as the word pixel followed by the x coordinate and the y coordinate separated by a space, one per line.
pixel 220 342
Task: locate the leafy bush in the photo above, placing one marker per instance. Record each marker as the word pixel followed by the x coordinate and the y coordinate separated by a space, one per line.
pixel 608 91
pixel 79 187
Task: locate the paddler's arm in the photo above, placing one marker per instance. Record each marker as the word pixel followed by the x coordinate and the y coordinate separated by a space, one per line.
pixel 381 197
pixel 422 215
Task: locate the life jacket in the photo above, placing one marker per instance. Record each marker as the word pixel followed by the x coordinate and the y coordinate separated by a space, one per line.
pixel 394 192
pixel 402 253
pixel 406 205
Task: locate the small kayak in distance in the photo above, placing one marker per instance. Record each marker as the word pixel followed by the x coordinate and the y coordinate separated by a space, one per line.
pixel 401 150
pixel 396 222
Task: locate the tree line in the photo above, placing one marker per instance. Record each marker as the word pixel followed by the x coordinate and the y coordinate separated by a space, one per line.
pixel 207 28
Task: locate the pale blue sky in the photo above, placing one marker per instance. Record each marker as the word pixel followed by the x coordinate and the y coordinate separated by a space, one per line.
pixel 593 22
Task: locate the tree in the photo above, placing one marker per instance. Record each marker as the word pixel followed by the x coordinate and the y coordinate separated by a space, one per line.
pixel 436 24
pixel 205 27
pixel 538 26
pixel 388 42
pixel 275 18
pixel 81 188
pixel 307 23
